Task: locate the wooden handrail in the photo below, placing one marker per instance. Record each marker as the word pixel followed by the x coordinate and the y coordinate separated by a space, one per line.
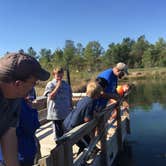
pixel 62 155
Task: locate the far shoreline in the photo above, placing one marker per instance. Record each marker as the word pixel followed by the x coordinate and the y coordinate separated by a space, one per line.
pixel 80 79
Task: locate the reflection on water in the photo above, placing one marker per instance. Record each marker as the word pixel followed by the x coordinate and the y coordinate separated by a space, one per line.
pixel 146 145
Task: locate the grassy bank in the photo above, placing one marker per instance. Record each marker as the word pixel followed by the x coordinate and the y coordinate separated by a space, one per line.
pixel 80 79
pixel 153 73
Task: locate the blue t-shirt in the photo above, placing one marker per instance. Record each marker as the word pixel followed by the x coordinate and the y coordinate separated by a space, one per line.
pixel 112 84
pixel 84 109
pixel 28 125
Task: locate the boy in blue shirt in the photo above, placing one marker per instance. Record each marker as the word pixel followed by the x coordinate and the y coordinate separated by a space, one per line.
pixel 84 111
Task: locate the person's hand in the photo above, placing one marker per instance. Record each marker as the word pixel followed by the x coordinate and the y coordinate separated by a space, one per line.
pixel 59 81
pixel 53 93
pixel 51 96
pixel 125 105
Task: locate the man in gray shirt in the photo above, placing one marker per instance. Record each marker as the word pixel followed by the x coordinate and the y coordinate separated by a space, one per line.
pixel 18 74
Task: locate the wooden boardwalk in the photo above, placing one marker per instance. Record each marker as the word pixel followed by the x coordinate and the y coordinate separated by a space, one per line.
pixel 46 138
pixel 47 143
pixel 110 138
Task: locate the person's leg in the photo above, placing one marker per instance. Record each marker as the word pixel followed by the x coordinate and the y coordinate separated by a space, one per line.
pixel 38 153
pixel 58 128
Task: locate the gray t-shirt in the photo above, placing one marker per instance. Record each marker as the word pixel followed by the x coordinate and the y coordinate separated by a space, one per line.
pixel 9 113
pixel 59 107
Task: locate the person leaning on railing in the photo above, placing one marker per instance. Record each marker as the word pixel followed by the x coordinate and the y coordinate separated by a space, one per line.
pixel 18 74
pixel 83 112
pixel 121 90
pixel 112 75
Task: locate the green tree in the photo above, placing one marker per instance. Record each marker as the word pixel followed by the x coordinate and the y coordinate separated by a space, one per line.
pixel 32 52
pixel 119 53
pixel 147 60
pixel 125 52
pixel 46 58
pixel 79 60
pixel 160 56
pixel 92 54
pixel 162 59
pixel 69 53
pixel 138 49
pixel 110 54
pixel 57 58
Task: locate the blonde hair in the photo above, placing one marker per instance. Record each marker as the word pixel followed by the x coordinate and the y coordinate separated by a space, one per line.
pixel 57 70
pixel 93 89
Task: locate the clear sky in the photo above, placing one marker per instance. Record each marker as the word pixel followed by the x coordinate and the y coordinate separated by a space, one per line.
pixel 48 23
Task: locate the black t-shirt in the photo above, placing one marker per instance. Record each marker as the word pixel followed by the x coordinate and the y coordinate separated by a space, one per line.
pixel 9 113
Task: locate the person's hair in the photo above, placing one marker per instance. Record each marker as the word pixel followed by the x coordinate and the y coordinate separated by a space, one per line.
pixel 57 70
pixel 102 82
pixel 93 89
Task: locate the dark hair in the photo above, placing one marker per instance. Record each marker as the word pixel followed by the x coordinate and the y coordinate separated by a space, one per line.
pixel 102 82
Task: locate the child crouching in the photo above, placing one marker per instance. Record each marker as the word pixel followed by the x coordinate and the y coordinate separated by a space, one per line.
pixel 84 111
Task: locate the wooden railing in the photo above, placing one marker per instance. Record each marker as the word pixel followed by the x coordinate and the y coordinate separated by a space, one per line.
pixel 110 138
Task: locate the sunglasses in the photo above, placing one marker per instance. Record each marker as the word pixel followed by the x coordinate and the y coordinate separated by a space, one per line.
pixel 121 74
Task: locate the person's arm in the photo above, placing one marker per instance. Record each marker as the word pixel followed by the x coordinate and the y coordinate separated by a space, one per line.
pixel 9 147
pixel 110 96
pixel 86 119
pixel 88 114
pixel 53 93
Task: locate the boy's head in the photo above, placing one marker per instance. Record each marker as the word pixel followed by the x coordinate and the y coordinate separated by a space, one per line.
pixel 58 73
pixel 93 89
pixel 102 82
pixel 126 87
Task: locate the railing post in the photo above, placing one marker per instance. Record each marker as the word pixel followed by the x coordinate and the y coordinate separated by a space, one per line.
pixel 68 154
pixel 119 130
pixel 102 128
pixel 57 156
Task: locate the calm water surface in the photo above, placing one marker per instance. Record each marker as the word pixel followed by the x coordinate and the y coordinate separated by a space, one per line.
pixel 147 142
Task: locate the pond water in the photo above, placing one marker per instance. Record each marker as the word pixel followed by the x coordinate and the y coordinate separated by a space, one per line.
pixel 146 145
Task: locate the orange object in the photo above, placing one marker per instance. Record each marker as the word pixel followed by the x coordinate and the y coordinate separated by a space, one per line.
pixel 120 90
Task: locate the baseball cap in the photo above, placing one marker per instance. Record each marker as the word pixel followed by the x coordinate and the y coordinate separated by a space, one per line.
pixel 122 67
pixel 20 66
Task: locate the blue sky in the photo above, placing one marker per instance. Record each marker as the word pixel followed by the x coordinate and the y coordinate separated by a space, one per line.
pixel 48 23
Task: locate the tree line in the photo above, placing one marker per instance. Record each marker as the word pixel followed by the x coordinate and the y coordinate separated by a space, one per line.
pixel 137 53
